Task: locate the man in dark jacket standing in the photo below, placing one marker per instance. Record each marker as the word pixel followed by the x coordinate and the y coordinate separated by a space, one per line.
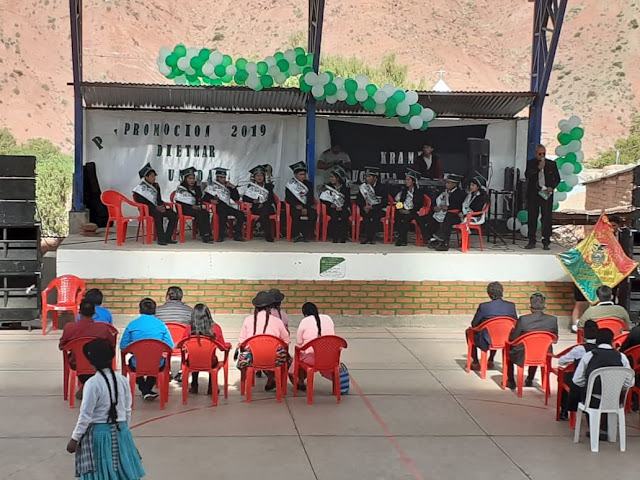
pixel 542 178
pixel 536 321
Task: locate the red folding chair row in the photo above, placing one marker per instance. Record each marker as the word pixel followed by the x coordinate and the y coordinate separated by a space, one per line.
pixel 562 386
pixel 464 230
pixel 148 354
pixel 264 352
pixel 616 325
pixel 499 329
pixel 70 290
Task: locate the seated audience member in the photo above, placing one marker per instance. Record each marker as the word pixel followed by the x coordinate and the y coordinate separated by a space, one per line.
pixel 536 321
pixel 574 355
pixel 276 308
pixel 85 327
pixel 603 355
pixel 174 309
pixel 497 307
pixel 632 340
pixel 102 314
pixel 146 327
pixel 312 326
pixel 202 324
pixel 262 322
pixel 604 308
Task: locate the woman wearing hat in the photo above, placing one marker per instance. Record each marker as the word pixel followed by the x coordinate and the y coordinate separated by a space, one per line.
pixel 224 195
pixel 475 201
pixel 337 197
pixel 372 199
pixel 276 307
pixel 148 193
pixel 447 204
pixel 189 196
pixel 409 201
pixel 262 323
pixel 259 194
pixel 299 197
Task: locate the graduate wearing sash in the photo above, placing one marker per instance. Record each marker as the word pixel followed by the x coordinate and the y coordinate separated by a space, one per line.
pixel 409 201
pixel 189 196
pixel 372 200
pixel 259 194
pixel 299 196
pixel 225 195
pixel 445 212
pixel 336 196
pixel 148 193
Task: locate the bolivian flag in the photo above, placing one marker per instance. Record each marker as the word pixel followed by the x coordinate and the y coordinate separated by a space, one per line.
pixel 597 260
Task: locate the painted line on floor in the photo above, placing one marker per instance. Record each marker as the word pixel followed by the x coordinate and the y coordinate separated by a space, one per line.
pixel 403 456
pixel 162 417
pixel 504 403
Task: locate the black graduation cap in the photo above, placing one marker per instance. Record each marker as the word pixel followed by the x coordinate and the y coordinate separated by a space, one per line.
pixel 375 171
pixel 452 177
pixel 480 180
pixel 339 172
pixel 298 167
pixel 413 174
pixel 221 172
pixel 146 170
pixel 257 169
pixel 187 171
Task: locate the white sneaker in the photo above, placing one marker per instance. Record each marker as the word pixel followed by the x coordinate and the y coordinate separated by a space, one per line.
pixel 150 396
pixel 574 328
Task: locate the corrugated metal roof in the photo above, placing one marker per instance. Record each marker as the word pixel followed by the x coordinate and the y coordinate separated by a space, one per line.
pixel 126 96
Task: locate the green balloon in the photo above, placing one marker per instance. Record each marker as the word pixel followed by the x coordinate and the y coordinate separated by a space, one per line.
pixel 226 60
pixel 390 112
pixel 523 216
pixel 351 99
pixel 220 70
pixel 299 51
pixel 241 77
pixel 196 63
pixel 564 138
pixel 405 119
pixel 331 76
pixel 570 157
pixel 306 70
pixel 577 168
pixel 278 56
pixel 391 104
pixel 304 86
pixel 577 133
pixel 180 50
pixel 301 60
pixel 562 187
pixel 191 78
pixel 424 126
pixel 371 89
pixel 204 54
pixel 216 81
pixel 415 109
pixel 266 81
pixel 331 89
pixel 171 76
pixel 172 60
pixel 309 58
pixel 241 64
pixel 556 206
pixel 350 85
pixel 369 104
pixel 283 65
pixel 560 161
pixel 399 95
pixel 263 68
pixel 227 79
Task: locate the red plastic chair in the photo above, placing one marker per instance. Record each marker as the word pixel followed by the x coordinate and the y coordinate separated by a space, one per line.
pixel 326 351
pixel 113 201
pixel 423 211
pixel 562 386
pixel 620 339
pixel 318 219
pixel 83 367
pixel 197 355
pixel 215 225
pixel 464 230
pixel 616 325
pixel 264 349
pixel 183 219
pixel 536 346
pixel 499 329
pixel 326 218
pixel 633 354
pixel 387 233
pixel 177 334
pixel 246 207
pixel 70 290
pixel 148 354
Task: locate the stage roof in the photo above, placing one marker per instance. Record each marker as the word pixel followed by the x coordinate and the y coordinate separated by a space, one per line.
pixel 128 96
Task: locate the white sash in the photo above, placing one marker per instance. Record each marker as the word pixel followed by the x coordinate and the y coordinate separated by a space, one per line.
pixel 147 191
pixel 466 209
pixel 298 189
pixel 184 195
pixel 331 195
pixel 369 194
pixel 216 189
pixel 256 192
pixel 441 201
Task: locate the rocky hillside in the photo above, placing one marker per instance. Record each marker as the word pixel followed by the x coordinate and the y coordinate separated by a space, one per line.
pixel 482 44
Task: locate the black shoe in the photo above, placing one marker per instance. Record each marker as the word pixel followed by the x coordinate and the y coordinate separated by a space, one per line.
pixel 443 247
pixel 270 386
pixel 364 240
pixel 432 243
pixel 238 238
pixel 530 246
pixel 511 384
pixel 178 377
pixel 299 238
pixel 207 239
pixel 335 240
pixel 193 388
pixel 162 242
pixel 398 243
pixel 220 238
pixel 269 239
pixel 564 415
pixel 528 382
pixel 372 240
pixel 546 246
pixel 343 240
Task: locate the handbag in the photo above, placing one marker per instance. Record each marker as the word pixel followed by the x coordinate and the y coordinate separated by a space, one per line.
pixel 344 379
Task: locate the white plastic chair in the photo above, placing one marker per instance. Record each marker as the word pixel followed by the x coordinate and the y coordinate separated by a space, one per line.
pixel 613 380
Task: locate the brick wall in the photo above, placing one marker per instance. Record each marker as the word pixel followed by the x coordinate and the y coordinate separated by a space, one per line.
pixel 336 297
pixel 610 192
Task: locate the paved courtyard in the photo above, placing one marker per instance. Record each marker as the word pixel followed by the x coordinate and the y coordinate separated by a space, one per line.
pixel 412 413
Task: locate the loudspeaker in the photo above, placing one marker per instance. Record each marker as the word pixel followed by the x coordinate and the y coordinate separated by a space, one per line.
pixel 478 157
pixel 17 190
pixel 510 179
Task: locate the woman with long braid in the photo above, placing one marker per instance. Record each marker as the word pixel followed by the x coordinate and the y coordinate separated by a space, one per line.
pixel 102 440
pixel 262 323
pixel 312 326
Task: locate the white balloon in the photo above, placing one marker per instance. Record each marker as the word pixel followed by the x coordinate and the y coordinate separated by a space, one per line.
pixel 408 127
pixel 574 146
pixel 567 169
pixel 251 68
pixel 514 224
pixel 331 99
pixel 566 127
pixel 192 52
pixel 338 82
pixel 183 63
pixel 524 230
pixel 427 114
pixel 165 52
pixel 361 95
pixel 574 121
pixel 165 70
pixel 562 123
pixel 190 71
pixel 571 180
pixel 181 80
pixel 273 70
pixel 580 156
pixel 402 109
pixel 207 69
pixel 362 80
pixel 311 78
pixel 216 59
pixel 380 108
pixel 270 60
pixel 561 151
pixel 317 91
pixel 253 82
pixel 389 89
pixel 416 122
pixel 380 97
pixel 294 70
pixel 231 70
pixel 342 95
pixel 323 78
pixel 290 55
pixel 560 196
pixel 411 97
pixel 280 78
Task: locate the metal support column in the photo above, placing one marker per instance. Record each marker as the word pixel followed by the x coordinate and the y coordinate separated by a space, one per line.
pixel 547 25
pixel 75 10
pixel 316 16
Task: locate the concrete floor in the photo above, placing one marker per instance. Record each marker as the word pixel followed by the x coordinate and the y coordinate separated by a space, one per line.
pixel 412 413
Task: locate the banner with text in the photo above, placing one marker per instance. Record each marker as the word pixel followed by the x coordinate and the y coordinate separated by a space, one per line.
pixel 120 143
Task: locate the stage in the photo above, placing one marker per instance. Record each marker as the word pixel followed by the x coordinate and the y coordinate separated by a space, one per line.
pixel 348 278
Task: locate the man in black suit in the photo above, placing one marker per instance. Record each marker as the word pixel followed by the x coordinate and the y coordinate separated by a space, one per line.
pixel 542 178
pixel 372 200
pixel 497 307
pixel 536 321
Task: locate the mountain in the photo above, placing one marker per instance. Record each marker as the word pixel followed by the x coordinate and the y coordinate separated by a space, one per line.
pixel 482 45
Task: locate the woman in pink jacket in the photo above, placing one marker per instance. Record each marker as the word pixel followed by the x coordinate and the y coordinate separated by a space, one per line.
pixel 312 326
pixel 262 323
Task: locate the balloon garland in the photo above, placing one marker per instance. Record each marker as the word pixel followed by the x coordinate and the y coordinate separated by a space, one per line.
pixel 569 161
pixel 195 66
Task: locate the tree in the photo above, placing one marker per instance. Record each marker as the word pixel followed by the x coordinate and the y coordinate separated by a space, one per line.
pixel 628 147
pixel 54 178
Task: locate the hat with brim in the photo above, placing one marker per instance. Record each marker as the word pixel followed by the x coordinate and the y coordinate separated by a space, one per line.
pixel 187 171
pixel 413 174
pixel 258 169
pixel 452 177
pixel 375 171
pixel 221 172
pixel 298 167
pixel 480 181
pixel 277 295
pixel 339 172
pixel 263 299
pixel 146 170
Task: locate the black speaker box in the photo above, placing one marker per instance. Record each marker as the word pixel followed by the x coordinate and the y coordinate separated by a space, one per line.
pixel 17 166
pixel 478 157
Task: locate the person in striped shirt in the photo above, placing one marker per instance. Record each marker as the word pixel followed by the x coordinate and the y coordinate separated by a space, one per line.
pixel 174 309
